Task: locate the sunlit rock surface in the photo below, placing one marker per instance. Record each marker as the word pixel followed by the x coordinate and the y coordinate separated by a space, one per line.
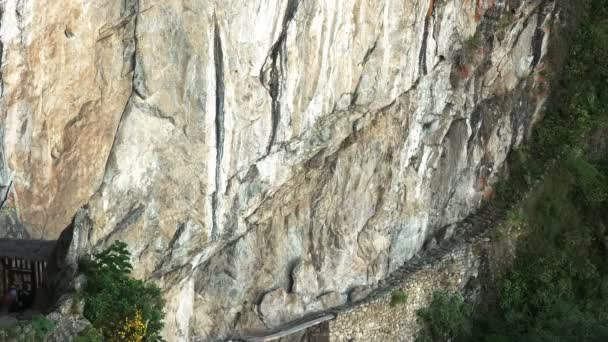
pixel 262 158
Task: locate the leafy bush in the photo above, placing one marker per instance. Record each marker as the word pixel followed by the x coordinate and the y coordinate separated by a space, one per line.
pixel 28 331
pixel 447 317
pixel 398 297
pixel 42 326
pixel 557 287
pixel 113 300
pixel 90 334
pixel 591 181
pixel 583 100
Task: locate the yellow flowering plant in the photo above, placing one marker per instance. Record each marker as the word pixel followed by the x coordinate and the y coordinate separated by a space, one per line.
pixel 132 329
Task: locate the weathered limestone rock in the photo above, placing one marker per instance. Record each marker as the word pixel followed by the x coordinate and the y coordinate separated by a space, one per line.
pixel 305 279
pixel 358 293
pixel 226 141
pixel 65 83
pixel 279 307
pixel 67 327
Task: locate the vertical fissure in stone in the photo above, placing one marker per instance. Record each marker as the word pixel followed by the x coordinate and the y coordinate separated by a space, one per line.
pixel 138 86
pixel 537 38
pixel 276 70
pixel 425 35
pixel 131 7
pixel 368 54
pixel 218 56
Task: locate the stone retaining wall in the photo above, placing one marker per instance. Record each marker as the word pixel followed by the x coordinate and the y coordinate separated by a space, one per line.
pixel 376 320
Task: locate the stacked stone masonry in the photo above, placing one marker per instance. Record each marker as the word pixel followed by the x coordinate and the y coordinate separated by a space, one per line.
pixel 379 321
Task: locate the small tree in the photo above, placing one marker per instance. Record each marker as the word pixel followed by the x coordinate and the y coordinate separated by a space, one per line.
pixel 446 318
pixel 113 298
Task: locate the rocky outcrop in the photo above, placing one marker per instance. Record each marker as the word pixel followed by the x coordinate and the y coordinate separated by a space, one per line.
pixel 64 324
pixel 262 154
pixel 65 82
pixel 456 262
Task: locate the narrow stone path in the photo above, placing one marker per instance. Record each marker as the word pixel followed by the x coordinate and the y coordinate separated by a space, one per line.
pixel 467 229
pixel 464 231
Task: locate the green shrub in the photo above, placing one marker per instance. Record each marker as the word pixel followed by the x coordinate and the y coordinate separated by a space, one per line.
pixel 446 318
pixel 28 331
pixel 42 326
pixel 90 334
pixel 398 297
pixel 112 297
pixel 557 287
pixel 582 102
pixel 590 180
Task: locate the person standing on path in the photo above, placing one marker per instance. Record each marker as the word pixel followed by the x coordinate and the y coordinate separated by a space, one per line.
pixel 13 298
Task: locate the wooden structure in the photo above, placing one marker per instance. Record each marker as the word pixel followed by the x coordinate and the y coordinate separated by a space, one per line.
pixel 23 263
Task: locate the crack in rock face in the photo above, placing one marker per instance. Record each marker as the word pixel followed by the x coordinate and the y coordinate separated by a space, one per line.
pixel 262 159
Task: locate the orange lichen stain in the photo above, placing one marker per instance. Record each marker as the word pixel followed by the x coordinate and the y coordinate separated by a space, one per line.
pixel 478 10
pixel 541 67
pixel 431 8
pixel 482 182
pixel 463 71
pixel 489 193
pixel 481 6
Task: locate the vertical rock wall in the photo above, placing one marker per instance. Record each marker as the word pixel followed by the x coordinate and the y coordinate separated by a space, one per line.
pixel 64 87
pixel 260 153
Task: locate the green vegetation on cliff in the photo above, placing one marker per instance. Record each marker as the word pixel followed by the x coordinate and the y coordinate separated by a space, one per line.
pixel 121 308
pixel 557 287
pixel 448 315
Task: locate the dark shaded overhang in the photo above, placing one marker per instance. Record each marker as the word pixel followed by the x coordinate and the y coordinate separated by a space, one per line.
pixel 35 250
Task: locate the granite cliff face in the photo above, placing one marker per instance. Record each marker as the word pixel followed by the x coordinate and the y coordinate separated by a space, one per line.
pixel 262 158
